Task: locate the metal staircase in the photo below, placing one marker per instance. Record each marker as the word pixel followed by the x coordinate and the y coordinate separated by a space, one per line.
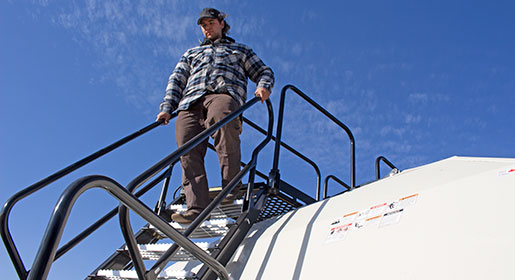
pixel 213 236
pixel 175 251
pixel 184 264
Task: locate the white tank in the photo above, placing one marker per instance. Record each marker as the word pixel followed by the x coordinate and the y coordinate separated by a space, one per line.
pixel 453 219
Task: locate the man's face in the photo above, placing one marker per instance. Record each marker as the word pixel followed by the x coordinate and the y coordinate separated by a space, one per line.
pixel 212 28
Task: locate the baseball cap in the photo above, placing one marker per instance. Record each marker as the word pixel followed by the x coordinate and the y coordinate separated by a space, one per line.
pixel 209 13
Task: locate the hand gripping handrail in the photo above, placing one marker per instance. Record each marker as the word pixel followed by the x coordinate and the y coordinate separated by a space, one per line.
pixel 337 180
pixel 171 159
pixel 9 204
pixel 385 160
pixel 274 173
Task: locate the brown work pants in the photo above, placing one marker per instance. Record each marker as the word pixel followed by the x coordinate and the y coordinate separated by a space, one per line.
pixel 201 115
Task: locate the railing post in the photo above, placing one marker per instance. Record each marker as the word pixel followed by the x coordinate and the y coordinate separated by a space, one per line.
pixel 161 203
pixel 387 162
pixel 326 183
pixel 274 173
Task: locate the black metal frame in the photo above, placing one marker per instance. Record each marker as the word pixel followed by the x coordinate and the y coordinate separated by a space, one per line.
pixel 251 211
pixel 162 203
pixel 387 162
pixel 235 236
pixel 174 157
pixel 337 180
pixel 274 173
pixel 289 148
pixel 9 204
pixel 47 252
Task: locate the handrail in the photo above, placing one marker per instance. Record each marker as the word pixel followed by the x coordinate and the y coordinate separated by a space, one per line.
pixel 274 173
pixel 289 148
pixel 9 204
pixel 170 159
pixel 385 160
pixel 81 236
pixel 161 201
pixel 54 231
pixel 336 179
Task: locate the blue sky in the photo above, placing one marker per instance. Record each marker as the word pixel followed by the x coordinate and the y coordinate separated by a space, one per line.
pixel 416 82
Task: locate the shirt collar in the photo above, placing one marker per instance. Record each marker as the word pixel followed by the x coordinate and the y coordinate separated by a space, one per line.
pixel 224 39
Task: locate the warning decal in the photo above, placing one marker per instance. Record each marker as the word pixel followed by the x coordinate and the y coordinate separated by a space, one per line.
pixel 508 171
pixel 408 200
pixel 391 218
pixel 378 209
pixel 380 215
pixel 373 220
pixel 338 232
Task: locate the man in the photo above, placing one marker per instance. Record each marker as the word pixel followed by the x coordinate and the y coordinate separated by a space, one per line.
pixel 208 83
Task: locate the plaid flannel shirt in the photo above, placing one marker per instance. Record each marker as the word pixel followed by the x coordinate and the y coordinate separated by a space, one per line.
pixel 222 66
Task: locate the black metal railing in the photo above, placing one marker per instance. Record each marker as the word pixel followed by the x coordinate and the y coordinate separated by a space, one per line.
pixel 9 204
pixel 387 162
pixel 290 149
pixel 274 173
pixel 47 252
pixel 174 157
pixel 54 231
pixel 337 180
pixel 87 232
pixel 162 203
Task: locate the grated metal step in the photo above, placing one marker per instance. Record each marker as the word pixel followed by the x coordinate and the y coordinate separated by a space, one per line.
pixel 155 251
pixel 208 229
pixel 179 270
pixel 232 210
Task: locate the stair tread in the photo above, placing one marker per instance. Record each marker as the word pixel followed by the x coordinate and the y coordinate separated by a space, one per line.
pixel 232 210
pixel 208 229
pixel 131 274
pixel 154 251
pixel 179 270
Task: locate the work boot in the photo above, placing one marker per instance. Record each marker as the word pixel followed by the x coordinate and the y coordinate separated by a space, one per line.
pixel 234 195
pixel 186 217
pixel 166 214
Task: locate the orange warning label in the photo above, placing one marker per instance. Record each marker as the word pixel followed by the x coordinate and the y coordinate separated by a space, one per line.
pixel 373 218
pixel 408 197
pixel 350 214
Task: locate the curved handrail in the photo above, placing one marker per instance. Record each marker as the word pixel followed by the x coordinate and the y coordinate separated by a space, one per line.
pixel 81 236
pixel 385 160
pixel 291 149
pixel 125 225
pixel 336 179
pixel 274 173
pixel 54 231
pixel 9 204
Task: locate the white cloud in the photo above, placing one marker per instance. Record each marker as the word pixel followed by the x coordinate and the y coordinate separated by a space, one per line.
pixel 123 34
pixel 413 119
pixel 390 130
pixel 418 98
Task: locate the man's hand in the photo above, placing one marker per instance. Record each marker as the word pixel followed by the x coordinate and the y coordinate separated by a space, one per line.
pixel 262 93
pixel 164 116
